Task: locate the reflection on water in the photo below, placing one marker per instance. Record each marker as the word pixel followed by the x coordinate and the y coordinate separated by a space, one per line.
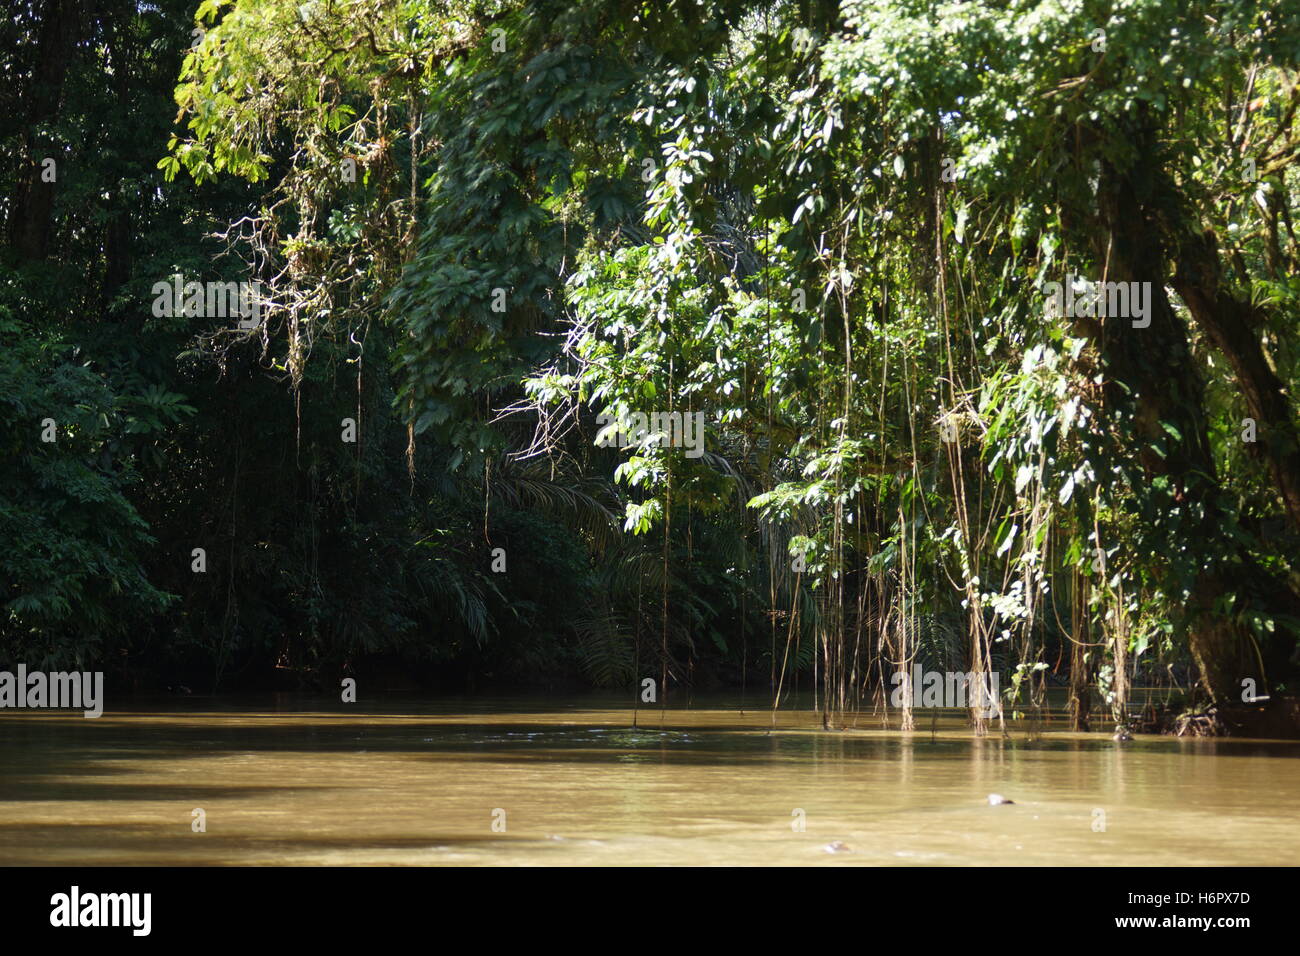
pixel 301 782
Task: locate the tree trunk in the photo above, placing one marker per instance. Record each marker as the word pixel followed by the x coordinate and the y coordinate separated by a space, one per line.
pixel 1152 370
pixel 1230 324
pixel 32 203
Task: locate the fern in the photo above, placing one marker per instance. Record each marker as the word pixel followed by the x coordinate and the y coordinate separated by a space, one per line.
pixel 605 649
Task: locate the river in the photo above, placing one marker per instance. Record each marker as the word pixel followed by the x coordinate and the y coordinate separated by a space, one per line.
pixel 292 780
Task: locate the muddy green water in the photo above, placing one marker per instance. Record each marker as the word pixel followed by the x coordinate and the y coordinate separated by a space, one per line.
pixel 294 781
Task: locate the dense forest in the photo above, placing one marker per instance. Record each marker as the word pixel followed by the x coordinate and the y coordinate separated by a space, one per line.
pixel 767 346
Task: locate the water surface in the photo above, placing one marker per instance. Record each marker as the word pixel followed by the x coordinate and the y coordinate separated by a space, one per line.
pixel 303 782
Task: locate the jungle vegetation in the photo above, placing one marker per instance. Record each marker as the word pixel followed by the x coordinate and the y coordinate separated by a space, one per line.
pixel 485 227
